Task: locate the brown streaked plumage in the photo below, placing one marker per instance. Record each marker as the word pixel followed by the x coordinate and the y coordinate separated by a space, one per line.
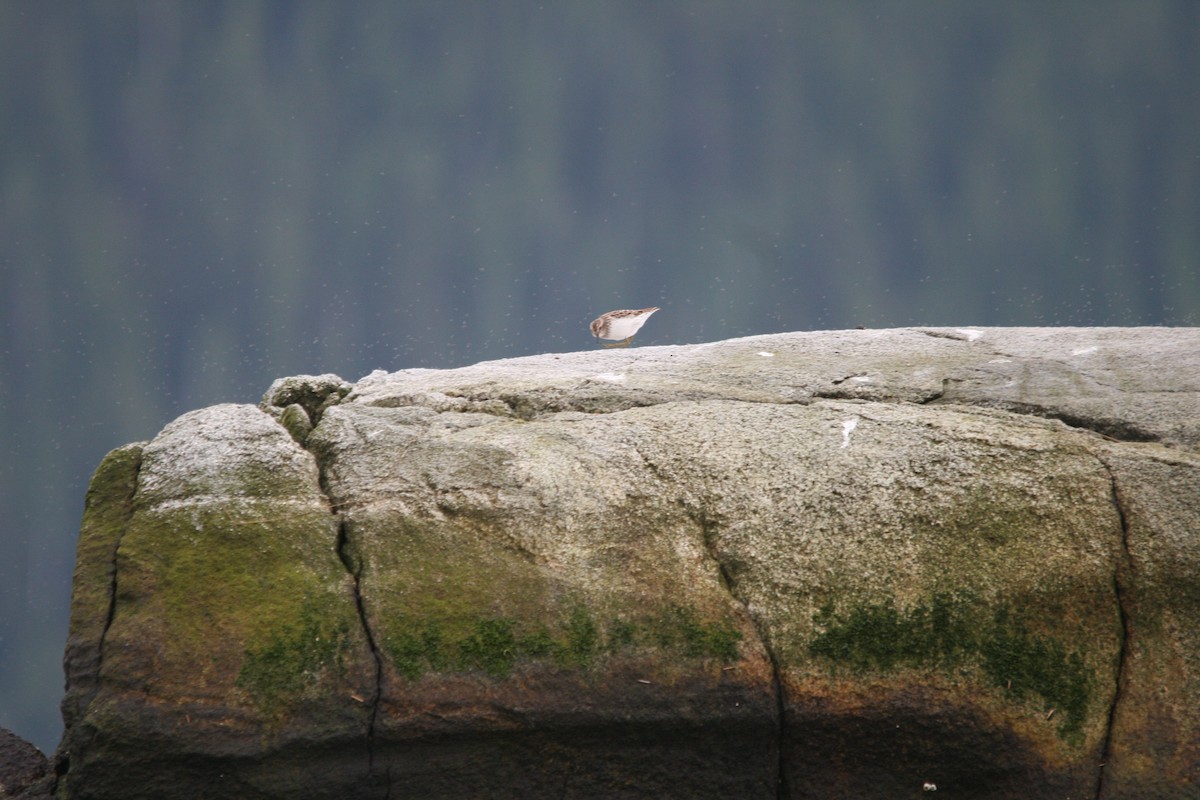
pixel 620 325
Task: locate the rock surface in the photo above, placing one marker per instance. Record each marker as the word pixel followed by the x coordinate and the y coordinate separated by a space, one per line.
pixel 838 564
pixel 21 764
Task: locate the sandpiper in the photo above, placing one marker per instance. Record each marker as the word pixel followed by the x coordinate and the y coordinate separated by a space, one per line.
pixel 620 325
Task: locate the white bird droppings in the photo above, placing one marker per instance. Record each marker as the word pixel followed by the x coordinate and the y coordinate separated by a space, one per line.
pixel 847 427
pixel 971 335
pixel 610 377
pixel 1084 351
pixel 765 354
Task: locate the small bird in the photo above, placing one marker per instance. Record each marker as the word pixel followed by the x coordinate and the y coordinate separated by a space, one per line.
pixel 620 325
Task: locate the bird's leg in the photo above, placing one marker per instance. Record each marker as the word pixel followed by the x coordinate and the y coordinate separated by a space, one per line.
pixel 624 343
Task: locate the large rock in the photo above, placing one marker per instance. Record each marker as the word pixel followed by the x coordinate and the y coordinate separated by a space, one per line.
pixel 846 564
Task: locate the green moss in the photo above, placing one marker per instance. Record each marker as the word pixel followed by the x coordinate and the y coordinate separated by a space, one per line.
pixel 113 484
pixel 680 628
pixel 106 516
pixel 293 658
pixel 234 597
pixel 491 647
pixel 582 638
pixel 538 644
pixel 494 645
pixel 953 630
pixel 881 637
pixel 722 642
pixel 450 600
pixel 621 635
pixel 415 651
pixel 1025 664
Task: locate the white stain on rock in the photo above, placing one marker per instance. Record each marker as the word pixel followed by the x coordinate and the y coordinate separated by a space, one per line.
pixel 847 428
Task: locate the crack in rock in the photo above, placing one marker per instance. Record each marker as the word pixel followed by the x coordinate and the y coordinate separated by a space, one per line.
pixel 1114 430
pixel 318 399
pixel 729 583
pixel 957 335
pixel 707 536
pixel 781 783
pixel 84 662
pixel 1121 578
pixel 112 589
pixel 355 571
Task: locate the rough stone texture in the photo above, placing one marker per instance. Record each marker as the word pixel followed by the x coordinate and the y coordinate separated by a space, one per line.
pixel 828 565
pixel 1156 726
pixel 21 764
pixel 228 625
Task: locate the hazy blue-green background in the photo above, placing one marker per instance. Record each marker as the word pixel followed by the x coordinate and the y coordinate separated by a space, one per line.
pixel 199 197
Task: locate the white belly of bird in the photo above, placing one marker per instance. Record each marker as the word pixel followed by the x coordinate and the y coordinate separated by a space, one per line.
pixel 624 327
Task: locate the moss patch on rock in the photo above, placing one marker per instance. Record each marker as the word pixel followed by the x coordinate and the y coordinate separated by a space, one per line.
pixel 1025 663
pixel 949 630
pixel 293 658
pixel 456 597
pixel 679 629
pixel 494 645
pixel 880 636
pixel 248 606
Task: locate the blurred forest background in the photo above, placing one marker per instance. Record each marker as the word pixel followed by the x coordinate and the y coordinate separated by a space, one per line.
pixel 199 197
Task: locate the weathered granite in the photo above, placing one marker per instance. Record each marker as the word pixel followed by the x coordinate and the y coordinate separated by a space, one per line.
pixel 839 564
pixel 21 765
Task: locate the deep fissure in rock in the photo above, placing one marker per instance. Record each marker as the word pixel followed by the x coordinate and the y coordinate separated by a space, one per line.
pixel 781 784
pixel 730 584
pixel 355 571
pixel 1112 429
pixel 1116 430
pixel 728 581
pixel 1120 578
